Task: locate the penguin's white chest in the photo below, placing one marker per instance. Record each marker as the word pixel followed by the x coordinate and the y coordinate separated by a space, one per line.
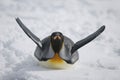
pixel 55 62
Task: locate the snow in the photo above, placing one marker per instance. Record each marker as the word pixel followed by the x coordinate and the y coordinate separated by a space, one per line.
pixel 99 60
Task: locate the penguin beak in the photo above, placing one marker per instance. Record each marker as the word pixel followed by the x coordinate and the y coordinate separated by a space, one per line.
pixel 57 38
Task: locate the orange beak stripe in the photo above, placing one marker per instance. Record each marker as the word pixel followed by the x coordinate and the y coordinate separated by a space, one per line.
pixel 57 37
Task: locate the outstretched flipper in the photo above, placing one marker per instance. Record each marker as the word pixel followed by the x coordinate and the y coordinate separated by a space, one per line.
pixel 29 33
pixel 86 40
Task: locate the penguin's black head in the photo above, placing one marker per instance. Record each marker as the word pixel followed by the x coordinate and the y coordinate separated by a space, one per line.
pixel 57 39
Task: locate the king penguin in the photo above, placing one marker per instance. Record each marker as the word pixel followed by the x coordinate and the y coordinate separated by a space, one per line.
pixel 57 50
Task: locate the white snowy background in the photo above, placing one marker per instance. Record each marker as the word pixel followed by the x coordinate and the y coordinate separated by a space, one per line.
pixel 99 60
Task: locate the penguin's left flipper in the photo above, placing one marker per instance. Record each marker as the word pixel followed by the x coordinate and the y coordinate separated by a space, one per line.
pixel 86 40
pixel 29 33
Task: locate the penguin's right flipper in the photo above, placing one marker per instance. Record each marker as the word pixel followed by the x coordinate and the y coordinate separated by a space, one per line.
pixel 29 33
pixel 86 40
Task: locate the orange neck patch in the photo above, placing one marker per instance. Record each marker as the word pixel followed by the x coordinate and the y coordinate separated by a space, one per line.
pixel 56 59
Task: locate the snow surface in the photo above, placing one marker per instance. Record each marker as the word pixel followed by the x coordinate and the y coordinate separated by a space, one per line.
pixel 99 60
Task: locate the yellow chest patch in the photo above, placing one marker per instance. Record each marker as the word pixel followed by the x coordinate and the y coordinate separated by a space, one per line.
pixel 55 62
pixel 56 59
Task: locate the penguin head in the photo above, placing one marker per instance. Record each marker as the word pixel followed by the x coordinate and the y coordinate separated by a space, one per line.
pixel 57 40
